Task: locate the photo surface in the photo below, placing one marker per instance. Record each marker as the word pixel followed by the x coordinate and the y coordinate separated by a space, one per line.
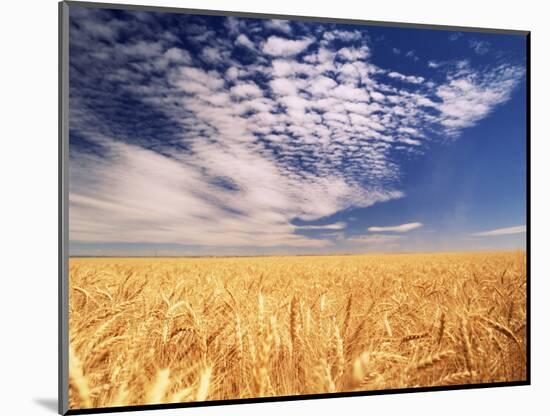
pixel 270 208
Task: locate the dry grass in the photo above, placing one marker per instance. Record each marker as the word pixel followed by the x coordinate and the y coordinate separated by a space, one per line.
pixel 173 330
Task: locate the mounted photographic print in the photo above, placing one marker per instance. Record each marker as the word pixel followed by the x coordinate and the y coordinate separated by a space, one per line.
pixel 261 208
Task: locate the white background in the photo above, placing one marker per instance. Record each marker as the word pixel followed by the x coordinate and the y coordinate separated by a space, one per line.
pixel 28 205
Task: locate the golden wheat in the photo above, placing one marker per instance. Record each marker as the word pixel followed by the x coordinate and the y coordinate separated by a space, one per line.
pixel 160 330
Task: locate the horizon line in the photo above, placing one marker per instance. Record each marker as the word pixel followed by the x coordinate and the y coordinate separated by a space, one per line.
pixel 301 255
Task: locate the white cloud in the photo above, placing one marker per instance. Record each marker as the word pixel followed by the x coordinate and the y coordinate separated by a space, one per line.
pixel 246 90
pixel 343 35
pixel 408 130
pixel 403 228
pixel 412 54
pixel 185 205
pixel 243 40
pixel 142 48
pixel 277 46
pixel 407 78
pixel 347 92
pixel 321 85
pixel 283 86
pixel 334 226
pixel 377 96
pixel 520 229
pixel 480 47
pixel 211 80
pixel 279 25
pixel 232 73
pixel 469 96
pixel 353 54
pixel 454 36
pixel 100 30
pixel 212 55
pixel 178 56
pixel 411 142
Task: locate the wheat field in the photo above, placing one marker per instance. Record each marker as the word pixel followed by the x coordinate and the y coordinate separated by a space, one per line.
pixel 165 330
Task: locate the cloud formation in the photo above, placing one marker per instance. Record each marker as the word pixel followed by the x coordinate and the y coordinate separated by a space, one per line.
pixel 519 229
pixel 335 226
pixel 277 46
pixel 479 46
pixel 468 96
pixel 403 228
pixel 223 131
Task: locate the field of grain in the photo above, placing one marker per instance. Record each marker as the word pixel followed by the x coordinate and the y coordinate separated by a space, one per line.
pixel 162 330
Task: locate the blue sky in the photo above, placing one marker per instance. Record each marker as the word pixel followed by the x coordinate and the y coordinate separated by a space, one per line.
pixel 203 135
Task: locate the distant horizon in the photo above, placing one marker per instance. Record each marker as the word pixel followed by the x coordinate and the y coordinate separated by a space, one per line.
pixel 207 135
pixel 305 254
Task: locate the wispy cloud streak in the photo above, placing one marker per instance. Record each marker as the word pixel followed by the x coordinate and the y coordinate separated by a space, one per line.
pixel 519 229
pixel 403 228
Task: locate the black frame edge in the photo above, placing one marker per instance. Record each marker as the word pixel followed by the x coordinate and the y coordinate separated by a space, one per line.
pixel 165 406
pixel 528 200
